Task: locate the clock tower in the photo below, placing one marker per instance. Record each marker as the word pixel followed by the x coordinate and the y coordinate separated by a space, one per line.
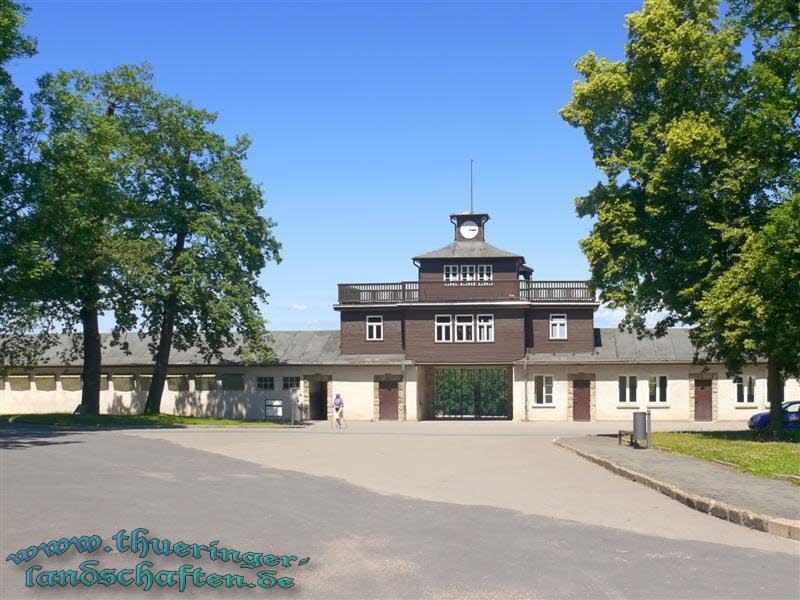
pixel 469 227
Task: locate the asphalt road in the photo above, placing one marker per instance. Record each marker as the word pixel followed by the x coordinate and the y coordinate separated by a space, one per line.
pixel 400 511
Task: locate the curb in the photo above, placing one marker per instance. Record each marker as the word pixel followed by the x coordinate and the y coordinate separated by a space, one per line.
pixel 740 516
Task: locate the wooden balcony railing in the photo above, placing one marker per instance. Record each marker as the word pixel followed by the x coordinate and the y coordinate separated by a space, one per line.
pixel 556 291
pixel 440 291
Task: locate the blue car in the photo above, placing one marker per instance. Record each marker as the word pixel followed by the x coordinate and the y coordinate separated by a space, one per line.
pixel 791 417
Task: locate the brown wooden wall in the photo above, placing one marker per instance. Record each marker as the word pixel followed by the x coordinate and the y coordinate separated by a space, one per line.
pixel 509 344
pixel 502 268
pixel 354 332
pixel 580 330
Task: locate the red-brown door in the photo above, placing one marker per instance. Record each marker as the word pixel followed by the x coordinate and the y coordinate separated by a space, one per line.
pixel 580 400
pixel 702 400
pixel 387 394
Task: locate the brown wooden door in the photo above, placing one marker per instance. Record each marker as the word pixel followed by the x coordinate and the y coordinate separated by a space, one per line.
pixel 702 400
pixel 581 400
pixel 387 394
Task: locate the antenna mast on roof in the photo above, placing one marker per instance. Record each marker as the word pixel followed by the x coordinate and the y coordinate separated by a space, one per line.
pixel 470 185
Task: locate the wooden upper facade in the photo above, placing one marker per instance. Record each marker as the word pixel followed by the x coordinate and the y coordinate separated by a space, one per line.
pixel 472 303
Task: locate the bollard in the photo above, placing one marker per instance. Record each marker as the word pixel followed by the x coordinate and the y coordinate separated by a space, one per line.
pixel 639 429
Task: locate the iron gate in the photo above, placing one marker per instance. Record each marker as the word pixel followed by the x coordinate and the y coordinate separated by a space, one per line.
pixel 470 394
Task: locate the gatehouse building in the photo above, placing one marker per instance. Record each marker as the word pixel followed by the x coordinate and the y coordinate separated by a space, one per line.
pixel 474 335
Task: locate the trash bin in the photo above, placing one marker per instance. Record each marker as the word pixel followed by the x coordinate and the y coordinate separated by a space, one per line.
pixel 640 429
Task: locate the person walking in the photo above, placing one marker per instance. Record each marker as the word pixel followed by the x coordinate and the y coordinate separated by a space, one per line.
pixel 338 410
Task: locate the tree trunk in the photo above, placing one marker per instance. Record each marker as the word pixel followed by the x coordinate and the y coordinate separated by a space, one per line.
pixel 153 405
pixel 90 394
pixel 775 396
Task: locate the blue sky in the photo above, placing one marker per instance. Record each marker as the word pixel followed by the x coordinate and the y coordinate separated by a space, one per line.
pixel 364 116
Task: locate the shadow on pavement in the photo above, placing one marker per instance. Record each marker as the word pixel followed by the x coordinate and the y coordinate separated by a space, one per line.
pixel 20 437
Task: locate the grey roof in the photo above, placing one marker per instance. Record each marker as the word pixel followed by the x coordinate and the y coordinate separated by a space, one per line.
pixel 290 347
pixel 322 348
pixel 615 346
pixel 469 249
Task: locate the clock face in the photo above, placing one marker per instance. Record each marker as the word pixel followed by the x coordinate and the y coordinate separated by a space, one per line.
pixel 468 229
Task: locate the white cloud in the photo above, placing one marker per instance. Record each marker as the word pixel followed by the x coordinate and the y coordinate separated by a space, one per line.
pixel 300 307
pixel 608 317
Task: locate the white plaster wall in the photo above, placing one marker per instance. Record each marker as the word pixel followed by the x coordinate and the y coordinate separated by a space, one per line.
pixel 557 411
pixel 791 390
pixel 35 401
pixel 412 389
pixel 676 408
pixel 354 383
pixel 608 407
pixel 730 410
pixel 357 388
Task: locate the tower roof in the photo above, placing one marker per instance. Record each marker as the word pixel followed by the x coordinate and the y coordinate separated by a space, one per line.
pixel 470 241
pixel 469 249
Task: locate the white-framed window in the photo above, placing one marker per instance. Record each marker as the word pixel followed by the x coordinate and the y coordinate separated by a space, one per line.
pixel 375 328
pixel 657 388
pixel 465 328
pixel 444 328
pixel 745 389
pixel 558 327
pixel 485 274
pixel 291 383
pixel 467 274
pixel 265 383
pixel 485 328
pixel 451 273
pixel 543 389
pixel 627 388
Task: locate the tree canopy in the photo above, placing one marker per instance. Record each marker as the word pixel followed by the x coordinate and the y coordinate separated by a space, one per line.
pixel 198 283
pixel 698 143
pixel 753 309
pixel 135 207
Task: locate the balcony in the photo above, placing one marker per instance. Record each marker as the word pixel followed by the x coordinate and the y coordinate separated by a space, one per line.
pixel 479 291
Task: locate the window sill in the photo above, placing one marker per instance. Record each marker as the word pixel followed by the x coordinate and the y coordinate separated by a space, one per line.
pixel 746 407
pixel 628 406
pixel 534 406
pixel 654 406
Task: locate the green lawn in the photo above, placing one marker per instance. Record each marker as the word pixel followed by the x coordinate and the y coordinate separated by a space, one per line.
pixel 752 452
pixel 119 421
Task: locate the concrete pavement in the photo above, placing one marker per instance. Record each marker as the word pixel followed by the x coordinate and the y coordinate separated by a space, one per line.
pixel 760 495
pixel 405 511
pixel 501 464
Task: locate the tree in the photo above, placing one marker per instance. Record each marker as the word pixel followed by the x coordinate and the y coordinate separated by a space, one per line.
pixel 64 261
pixel 697 145
pixel 198 285
pixel 14 133
pixel 16 140
pixel 753 309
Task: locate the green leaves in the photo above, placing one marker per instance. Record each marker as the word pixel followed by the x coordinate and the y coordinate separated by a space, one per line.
pixel 697 144
pixel 753 309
